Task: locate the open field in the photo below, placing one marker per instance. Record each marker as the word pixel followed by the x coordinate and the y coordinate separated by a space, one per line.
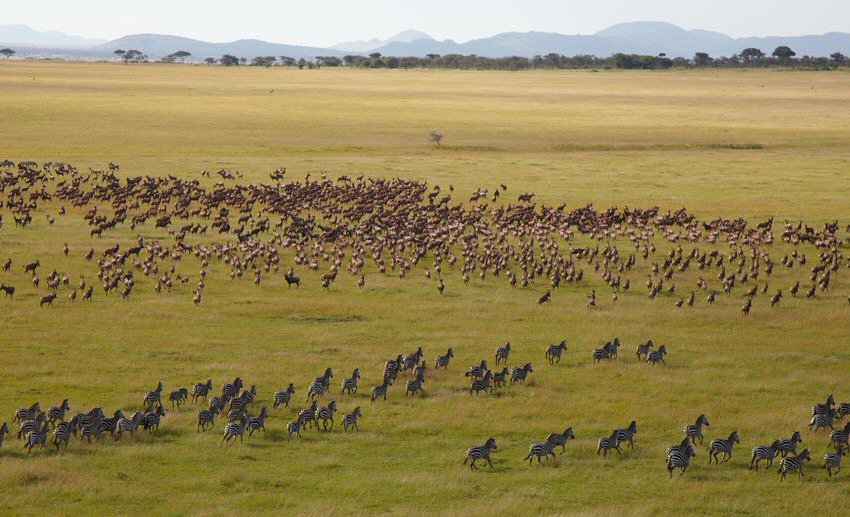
pixel 728 143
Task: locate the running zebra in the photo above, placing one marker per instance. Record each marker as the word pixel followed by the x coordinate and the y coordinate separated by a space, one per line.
pixel 794 464
pixel 825 408
pixel 320 385
pixel 482 384
pixel 833 461
pixel 206 417
pixel 283 397
pixel 599 354
pixel 520 374
pixel 152 419
pixel 657 356
pixel 765 452
pixel 838 438
pixel 350 384
pixel 442 361
pixel 413 359
pixel 90 431
pixel 308 416
pixel 843 410
pixel 381 391
pixel 719 445
pixel 57 414
pixel 27 413
pixel 37 437
pixel 679 447
pixel 477 371
pixel 153 397
pixel 820 421
pixel 502 353
pixel 627 434
pixel 560 440
pixel 231 389
pixel 247 396
pixel 553 353
pixel 28 426
pixel 109 425
pixel 201 390
pixel 350 420
pixel 258 422
pixel 326 414
pixel 294 428
pixel 4 430
pixel 501 378
pixel 95 415
pixel 393 366
pixel 415 386
pixel 217 404
pixel 613 348
pixel 178 397
pixel 129 425
pixel 644 349
pixel 540 450
pixel 481 452
pixel 789 445
pixel 234 429
pixel 694 431
pixel 62 434
pixel 680 459
pixel 606 444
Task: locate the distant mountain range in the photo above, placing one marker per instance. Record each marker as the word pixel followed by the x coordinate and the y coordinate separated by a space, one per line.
pixel 631 38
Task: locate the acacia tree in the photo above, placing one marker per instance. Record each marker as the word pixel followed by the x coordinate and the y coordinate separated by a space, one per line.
pixel 7 52
pixel 784 54
pixel 210 61
pixel 119 53
pixel 180 55
pixel 702 59
pixel 838 59
pixel 751 55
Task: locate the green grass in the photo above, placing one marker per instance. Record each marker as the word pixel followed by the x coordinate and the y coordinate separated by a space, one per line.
pixel 721 143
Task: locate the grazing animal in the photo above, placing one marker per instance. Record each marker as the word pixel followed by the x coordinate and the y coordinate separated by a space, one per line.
pixel 608 443
pixel 825 408
pixel 477 371
pixel 152 419
pixel 153 397
pixel 129 425
pixel 482 452
pixel 539 450
pixel 794 464
pixel 57 414
pixel 833 461
pixel 326 414
pixel 519 374
pixel 8 290
pixel 502 353
pixel 680 459
pixel 320 385
pixel 765 452
pixel 178 397
pixel 350 420
pixel 694 431
pixel 62 434
pixel 283 397
pixel 234 429
pixel 560 439
pixel 627 434
pixel 27 413
pixel 442 361
pixel 37 437
pixel 258 422
pixel 501 378
pixel 553 353
pixel 30 268
pixel 789 445
pixel 545 298
pixel 843 410
pixel 482 384
pixel 719 445
pixel 350 384
pixel 774 301
pixel 206 417
pixel 644 349
pixel 657 356
pixel 838 438
pixel 294 428
pixel 823 421
pixel 201 390
pixel 47 299
pixel 381 390
pixel 415 385
pixel 231 389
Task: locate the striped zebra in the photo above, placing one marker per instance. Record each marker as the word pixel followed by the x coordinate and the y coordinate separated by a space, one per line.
pixel 838 438
pixel 28 426
pixel 4 430
pixel 350 384
pixel 326 414
pixel 248 396
pixel 393 366
pixel 283 397
pixel 540 450
pixel 27 413
pixel 37 437
pixel 442 361
pixel 680 459
pixel 217 404
pixel 694 431
pixel 833 461
pixel 86 419
pixel 178 397
pixel 129 425
pixel 152 419
pixel 477 371
pixel 820 421
pixel 644 349
pixel 482 452
pixel 657 356
pixel 560 440
pixel 206 417
pixel 599 354
pixel 350 420
pixel 62 433
pixel 823 409
pixel 420 369
pixel 679 447
pixel 231 389
pixel 765 452
pixel 719 445
pixel 307 417
pixel 482 384
pixel 501 378
pixel 627 434
pixel 503 352
pixel 236 414
pixel 234 429
pixel 201 390
pixel 57 414
pixel 381 390
pixel 294 428
pixel 109 425
pixel 794 464
pixel 414 386
pixel 789 445
pixel 843 410
pixel 613 348
pixel 413 359
pixel 520 374
pixel 255 423
pixel 553 353
pixel 320 385
pixel 608 443
pixel 153 397
pixel 90 431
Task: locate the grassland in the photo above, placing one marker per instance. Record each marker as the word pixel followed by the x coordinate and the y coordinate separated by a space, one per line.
pixel 727 143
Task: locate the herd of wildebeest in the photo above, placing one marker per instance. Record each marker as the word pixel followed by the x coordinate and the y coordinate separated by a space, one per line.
pixel 327 225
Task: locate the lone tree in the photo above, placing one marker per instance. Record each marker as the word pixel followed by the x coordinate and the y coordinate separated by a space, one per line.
pixel 180 55
pixel 784 54
pixel 7 52
pixel 436 138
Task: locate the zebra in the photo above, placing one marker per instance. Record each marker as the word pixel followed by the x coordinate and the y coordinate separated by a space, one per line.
pixel 560 440
pixel 837 438
pixel 627 434
pixel 381 391
pixel 217 404
pixel 308 416
pixel 719 445
pixel 294 428
pixel 823 409
pixel 234 429
pixel 794 463
pixel 152 419
pixel 520 374
pixel 201 390
pixel 62 433
pixel 599 354
pixel 247 396
pixel 206 417
pixel 477 371
pixel 679 447
pixel 129 424
pixel 503 352
pixel 153 397
pixel 500 378
pixel 789 445
pixel 37 437
pixel 87 419
pixel 393 366
pixel 608 443
pixel 765 452
pixel 482 452
pixel 350 384
pixel 283 397
pixel 483 384
pixel 91 430
pixel 613 348
pixel 231 389
pixel 326 414
pixel 28 426
pixel 4 430
pixel 258 422
pixel 540 450
pixel 178 397
pixel 442 361
pixel 420 369
pixel 843 410
pixel 695 431
pixel 553 353
pixel 413 359
pixel 350 420
pixel 27 413
pixel 109 424
pixel 415 385
pixel 57 414
pixel 680 459
pixel 320 385
pixel 657 356
pixel 823 421
pixel 833 461
pixel 643 350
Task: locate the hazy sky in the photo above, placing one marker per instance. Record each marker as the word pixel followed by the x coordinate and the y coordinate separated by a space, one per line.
pixel 325 22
